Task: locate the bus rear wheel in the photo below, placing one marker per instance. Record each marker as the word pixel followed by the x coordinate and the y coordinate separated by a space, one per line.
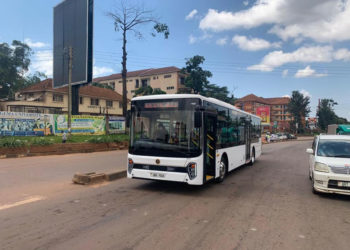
pixel 223 171
pixel 252 160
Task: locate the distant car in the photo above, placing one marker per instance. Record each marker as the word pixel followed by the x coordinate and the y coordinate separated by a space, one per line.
pixel 329 164
pixel 291 136
pixel 282 136
pixel 274 137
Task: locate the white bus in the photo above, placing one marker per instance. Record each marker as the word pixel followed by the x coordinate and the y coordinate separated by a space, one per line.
pixel 189 138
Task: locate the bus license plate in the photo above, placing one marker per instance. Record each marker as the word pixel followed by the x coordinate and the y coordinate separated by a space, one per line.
pixel 343 184
pixel 157 175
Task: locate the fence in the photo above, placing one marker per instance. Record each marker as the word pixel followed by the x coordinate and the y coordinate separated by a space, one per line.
pixel 31 124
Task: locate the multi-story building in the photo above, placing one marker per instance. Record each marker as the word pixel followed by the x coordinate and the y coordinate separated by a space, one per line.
pixel 279 115
pixel 43 98
pixel 169 79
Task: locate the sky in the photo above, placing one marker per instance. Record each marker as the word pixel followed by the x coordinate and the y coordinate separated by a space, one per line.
pixel 265 47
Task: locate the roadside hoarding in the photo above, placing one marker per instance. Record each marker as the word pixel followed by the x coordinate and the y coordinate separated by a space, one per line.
pixel 81 124
pixel 26 124
pixel 264 113
pixel 116 125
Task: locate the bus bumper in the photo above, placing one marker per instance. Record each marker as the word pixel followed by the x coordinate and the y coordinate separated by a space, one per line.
pixel 158 175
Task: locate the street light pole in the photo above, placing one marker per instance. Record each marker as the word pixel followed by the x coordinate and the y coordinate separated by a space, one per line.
pixel 70 67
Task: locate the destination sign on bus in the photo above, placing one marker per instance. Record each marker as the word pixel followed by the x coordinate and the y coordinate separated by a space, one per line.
pixel 162 105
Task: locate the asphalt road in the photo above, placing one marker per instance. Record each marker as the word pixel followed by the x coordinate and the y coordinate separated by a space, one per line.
pixel 267 206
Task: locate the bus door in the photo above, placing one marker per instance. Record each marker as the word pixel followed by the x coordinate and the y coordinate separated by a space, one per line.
pixel 247 136
pixel 210 123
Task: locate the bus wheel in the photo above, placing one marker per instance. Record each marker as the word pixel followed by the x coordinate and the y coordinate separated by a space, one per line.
pixel 252 160
pixel 223 170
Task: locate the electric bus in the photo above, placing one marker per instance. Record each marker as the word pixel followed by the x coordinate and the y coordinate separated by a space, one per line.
pixel 189 138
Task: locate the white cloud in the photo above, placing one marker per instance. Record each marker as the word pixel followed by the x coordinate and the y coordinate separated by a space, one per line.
pixel 320 20
pixel 253 44
pixel 286 96
pixel 305 93
pixel 308 72
pixel 100 71
pixel 285 73
pixel 342 54
pixel 193 39
pixel 245 3
pixel 221 41
pixel 191 14
pixel 42 61
pixel 304 54
pixel 35 45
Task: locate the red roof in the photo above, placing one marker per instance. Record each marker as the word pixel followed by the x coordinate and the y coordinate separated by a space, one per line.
pixel 88 90
pixel 271 101
pixel 139 73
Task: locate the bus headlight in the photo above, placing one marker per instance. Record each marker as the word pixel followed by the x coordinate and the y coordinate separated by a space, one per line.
pixel 320 167
pixel 192 170
pixel 130 165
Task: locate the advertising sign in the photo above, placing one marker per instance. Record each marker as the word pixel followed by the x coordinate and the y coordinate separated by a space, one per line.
pixel 81 124
pixel 25 124
pixel 116 125
pixel 264 113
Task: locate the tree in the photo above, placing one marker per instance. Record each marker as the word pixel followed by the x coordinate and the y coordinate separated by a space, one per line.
pixel 148 90
pixel 100 85
pixel 127 19
pixel 197 78
pixel 197 81
pixel 326 114
pixel 33 79
pixel 14 63
pixel 299 108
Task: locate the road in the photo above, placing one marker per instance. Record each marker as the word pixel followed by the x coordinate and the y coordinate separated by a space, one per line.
pixel 266 206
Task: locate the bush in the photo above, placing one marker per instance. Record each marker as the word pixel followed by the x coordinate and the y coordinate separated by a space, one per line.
pixel 12 143
pixel 41 141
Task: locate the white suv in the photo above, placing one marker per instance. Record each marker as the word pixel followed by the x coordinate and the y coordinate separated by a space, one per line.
pixel 330 164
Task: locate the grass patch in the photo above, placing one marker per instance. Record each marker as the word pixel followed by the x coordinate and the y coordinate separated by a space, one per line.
pixel 21 141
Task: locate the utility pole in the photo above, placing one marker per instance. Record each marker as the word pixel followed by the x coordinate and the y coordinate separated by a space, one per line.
pixel 70 67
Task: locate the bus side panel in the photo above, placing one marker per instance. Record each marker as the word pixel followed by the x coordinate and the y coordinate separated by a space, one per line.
pixel 235 155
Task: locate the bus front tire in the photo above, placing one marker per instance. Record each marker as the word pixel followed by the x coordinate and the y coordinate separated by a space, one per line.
pixel 252 160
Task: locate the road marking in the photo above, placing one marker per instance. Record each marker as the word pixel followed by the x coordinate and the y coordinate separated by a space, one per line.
pixel 19 203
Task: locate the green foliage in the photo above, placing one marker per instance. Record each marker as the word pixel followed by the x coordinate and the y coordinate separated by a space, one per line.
pixel 41 141
pixel 14 62
pixel 148 90
pixel 161 28
pixel 100 85
pixel 12 142
pixel 326 114
pixel 299 108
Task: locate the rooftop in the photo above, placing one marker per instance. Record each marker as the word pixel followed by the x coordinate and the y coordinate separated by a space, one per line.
pixel 139 73
pixel 270 101
pixel 90 91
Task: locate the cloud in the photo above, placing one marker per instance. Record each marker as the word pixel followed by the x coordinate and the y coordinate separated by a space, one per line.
pixel 42 61
pixel 320 20
pixel 308 72
pixel 305 93
pixel 221 41
pixel 285 73
pixel 342 54
pixel 191 14
pixel 35 45
pixel 193 39
pixel 304 54
pixel 100 71
pixel 286 96
pixel 253 44
pixel 245 3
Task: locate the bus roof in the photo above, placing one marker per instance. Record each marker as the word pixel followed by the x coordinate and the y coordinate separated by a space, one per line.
pixel 175 96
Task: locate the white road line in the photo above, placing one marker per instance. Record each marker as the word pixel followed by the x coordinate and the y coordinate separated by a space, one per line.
pixel 19 203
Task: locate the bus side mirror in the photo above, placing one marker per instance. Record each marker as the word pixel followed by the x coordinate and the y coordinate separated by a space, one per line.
pixel 197 119
pixel 127 118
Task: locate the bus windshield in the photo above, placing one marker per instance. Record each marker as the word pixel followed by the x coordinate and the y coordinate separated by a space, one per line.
pixel 165 128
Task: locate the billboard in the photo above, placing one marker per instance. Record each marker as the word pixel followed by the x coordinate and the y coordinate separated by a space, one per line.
pixel 73 27
pixel 26 124
pixel 81 124
pixel 116 125
pixel 264 113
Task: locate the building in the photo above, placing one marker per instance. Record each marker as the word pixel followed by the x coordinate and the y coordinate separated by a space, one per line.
pixel 279 117
pixel 43 98
pixel 168 79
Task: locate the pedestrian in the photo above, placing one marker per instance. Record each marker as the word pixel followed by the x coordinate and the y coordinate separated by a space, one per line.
pixel 64 137
pixel 268 138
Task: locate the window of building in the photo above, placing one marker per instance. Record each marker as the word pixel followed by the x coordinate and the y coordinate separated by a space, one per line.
pixel 30 95
pixel 133 91
pixel 137 84
pixel 144 82
pixel 120 105
pixel 80 100
pixel 167 76
pixel 120 81
pixel 109 103
pixel 170 87
pixel 57 98
pixel 182 80
pixel 94 102
pixel 112 84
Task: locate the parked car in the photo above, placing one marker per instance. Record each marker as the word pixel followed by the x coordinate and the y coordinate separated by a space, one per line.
pixel 282 136
pixel 329 164
pixel 291 137
pixel 274 137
